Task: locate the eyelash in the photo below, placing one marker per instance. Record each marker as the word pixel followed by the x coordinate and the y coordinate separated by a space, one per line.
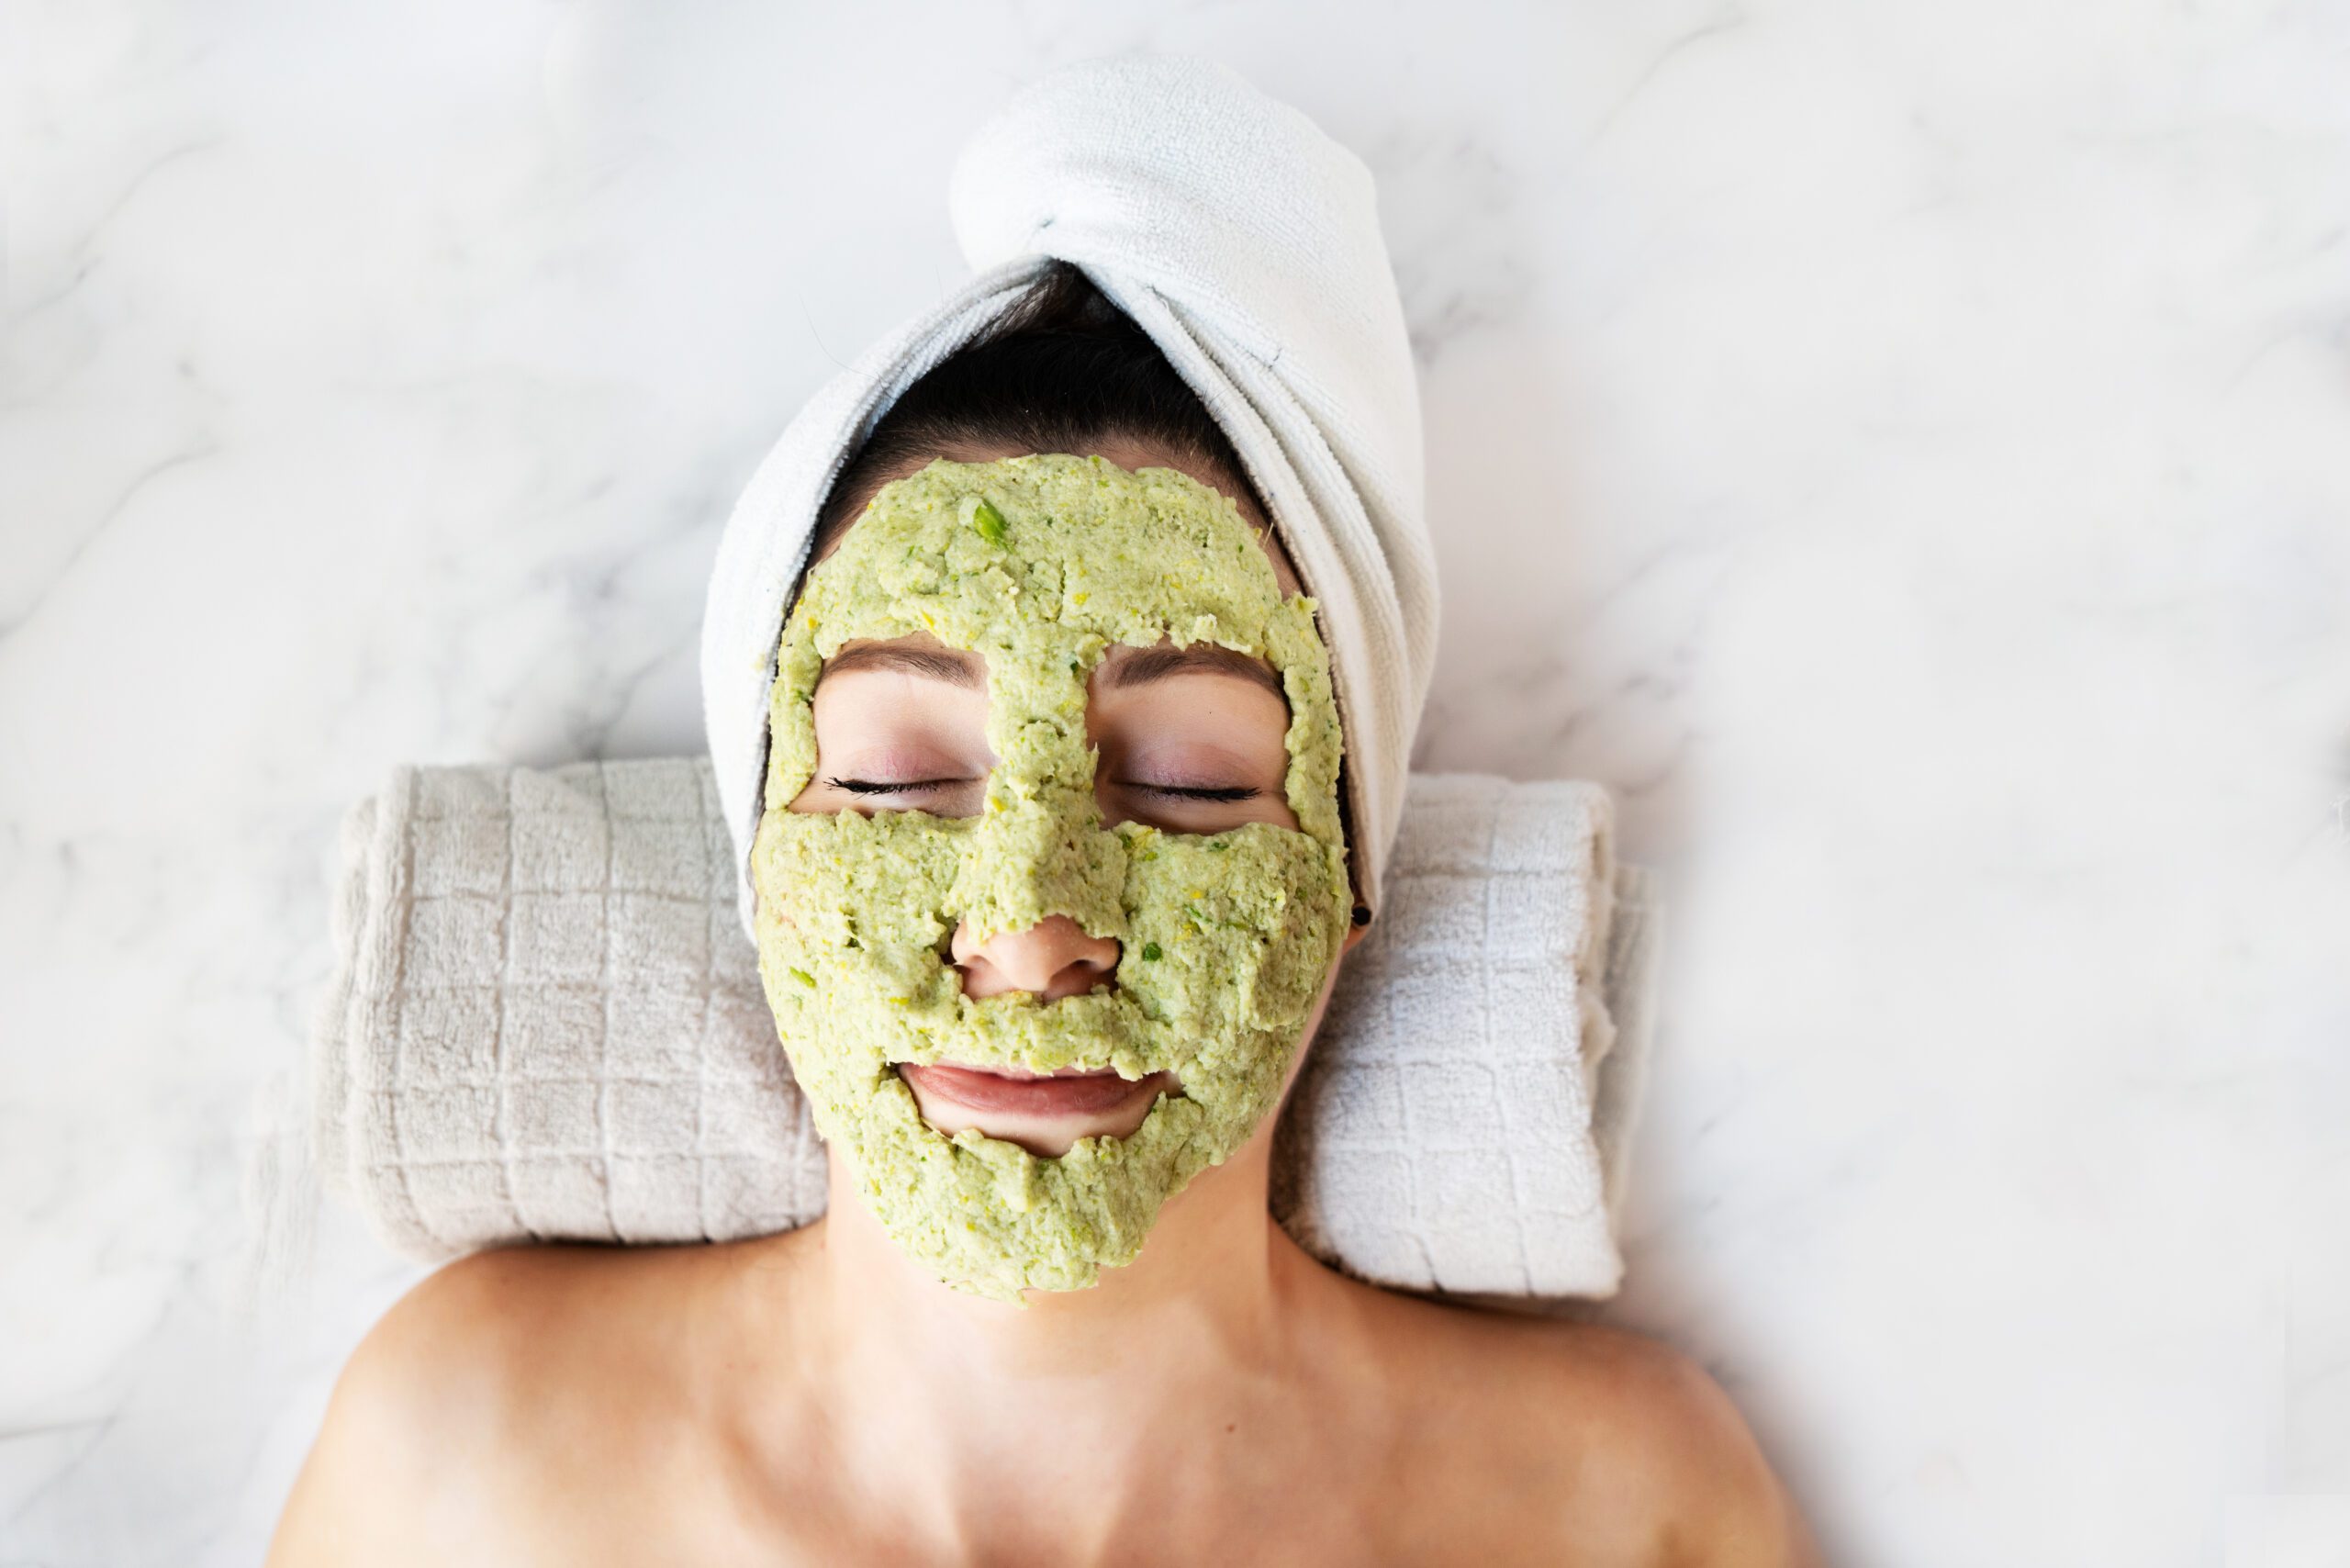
pixel 1225 795
pixel 910 787
pixel 1173 791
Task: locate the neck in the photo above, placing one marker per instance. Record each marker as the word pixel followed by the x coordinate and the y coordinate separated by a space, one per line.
pixel 914 1372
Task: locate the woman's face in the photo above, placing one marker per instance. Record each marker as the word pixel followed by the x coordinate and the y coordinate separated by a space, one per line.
pixel 1189 740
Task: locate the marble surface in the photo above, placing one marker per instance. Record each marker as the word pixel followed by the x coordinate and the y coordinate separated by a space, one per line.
pixel 1901 447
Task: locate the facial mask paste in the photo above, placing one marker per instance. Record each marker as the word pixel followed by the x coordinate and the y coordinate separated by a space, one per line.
pixel 1040 564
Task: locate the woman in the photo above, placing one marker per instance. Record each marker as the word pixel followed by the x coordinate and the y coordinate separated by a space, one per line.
pixel 822 1397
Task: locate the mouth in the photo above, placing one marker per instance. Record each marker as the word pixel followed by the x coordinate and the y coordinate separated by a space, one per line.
pixel 1071 1092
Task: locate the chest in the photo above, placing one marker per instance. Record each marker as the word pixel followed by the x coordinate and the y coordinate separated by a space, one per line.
pixel 1301 1507
pixel 1423 1491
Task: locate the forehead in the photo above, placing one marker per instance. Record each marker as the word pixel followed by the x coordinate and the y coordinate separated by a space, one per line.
pixel 1127 454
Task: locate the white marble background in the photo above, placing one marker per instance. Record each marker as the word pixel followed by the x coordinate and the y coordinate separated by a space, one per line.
pixel 1901 447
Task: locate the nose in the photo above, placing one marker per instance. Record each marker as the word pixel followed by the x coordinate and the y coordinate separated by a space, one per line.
pixel 1054 959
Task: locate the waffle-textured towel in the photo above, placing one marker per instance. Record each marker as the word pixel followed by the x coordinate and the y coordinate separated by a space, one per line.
pixel 544 1024
pixel 1247 243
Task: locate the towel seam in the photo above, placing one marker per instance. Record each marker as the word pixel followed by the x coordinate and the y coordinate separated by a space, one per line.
pixel 702 1035
pixel 1411 1166
pixel 501 1039
pixel 1485 960
pixel 430 1234
pixel 604 1045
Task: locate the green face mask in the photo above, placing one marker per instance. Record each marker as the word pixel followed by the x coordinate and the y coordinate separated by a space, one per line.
pixel 1040 564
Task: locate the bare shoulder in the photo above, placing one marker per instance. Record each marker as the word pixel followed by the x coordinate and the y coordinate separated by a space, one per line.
pixel 1612 1445
pixel 1670 1441
pixel 462 1409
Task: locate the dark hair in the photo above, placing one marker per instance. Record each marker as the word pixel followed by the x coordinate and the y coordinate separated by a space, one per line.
pixel 1062 370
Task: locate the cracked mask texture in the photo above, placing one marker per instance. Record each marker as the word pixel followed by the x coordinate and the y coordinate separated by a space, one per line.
pixel 1040 563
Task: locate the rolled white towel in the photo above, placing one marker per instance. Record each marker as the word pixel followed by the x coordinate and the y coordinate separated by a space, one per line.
pixel 545 1025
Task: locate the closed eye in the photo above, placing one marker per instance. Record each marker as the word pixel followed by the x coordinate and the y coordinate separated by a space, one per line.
pixel 884 787
pixel 1194 793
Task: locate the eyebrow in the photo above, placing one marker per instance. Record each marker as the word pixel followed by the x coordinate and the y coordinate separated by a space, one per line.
pixel 1141 667
pixel 1146 664
pixel 938 663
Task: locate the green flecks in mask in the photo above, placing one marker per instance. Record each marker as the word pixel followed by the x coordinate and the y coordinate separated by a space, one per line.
pixel 1040 564
pixel 984 520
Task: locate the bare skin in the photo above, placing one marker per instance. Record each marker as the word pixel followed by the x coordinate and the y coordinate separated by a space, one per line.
pixel 816 1398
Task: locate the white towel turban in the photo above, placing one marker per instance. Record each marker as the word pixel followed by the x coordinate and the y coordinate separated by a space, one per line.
pixel 1247 243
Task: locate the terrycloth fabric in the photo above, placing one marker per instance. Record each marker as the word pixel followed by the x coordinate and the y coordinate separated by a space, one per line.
pixel 1247 243
pixel 545 1024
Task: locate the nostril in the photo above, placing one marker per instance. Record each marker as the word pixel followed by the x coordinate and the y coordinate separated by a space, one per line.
pixel 1084 974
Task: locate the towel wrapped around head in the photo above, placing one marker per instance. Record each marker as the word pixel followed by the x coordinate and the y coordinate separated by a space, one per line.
pixel 1246 243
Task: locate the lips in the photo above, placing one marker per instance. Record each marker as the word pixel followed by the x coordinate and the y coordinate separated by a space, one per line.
pixel 1065 1093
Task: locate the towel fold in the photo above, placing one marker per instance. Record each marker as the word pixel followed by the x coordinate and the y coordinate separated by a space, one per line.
pixel 545 1024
